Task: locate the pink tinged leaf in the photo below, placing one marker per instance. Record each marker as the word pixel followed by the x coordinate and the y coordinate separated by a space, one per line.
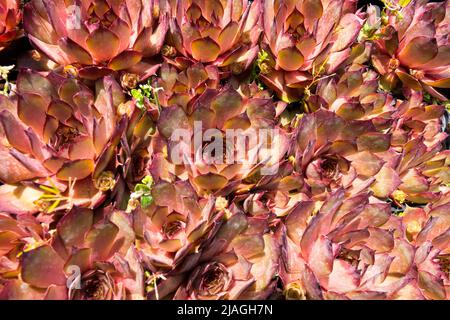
pixel 74 52
pixel 227 36
pixel 123 31
pixel 210 181
pixel 374 142
pixel 387 181
pixel 350 111
pixel 68 89
pixel 321 257
pixel 381 63
pixel 376 273
pixel 78 169
pixel 413 182
pixel 418 51
pixel 46 42
pixel 375 215
pixel 158 36
pixel 403 254
pixel 101 239
pixel 80 258
pixel 349 27
pixel 366 163
pixel 430 230
pixel 172 118
pixel 43 267
pixel 32 110
pixel 32 164
pixel 73 227
pixel 336 59
pixel 380 240
pixel 163 194
pixel 205 50
pixel 442 242
pixel 311 284
pixel 226 105
pixel 34 83
pixel 328 20
pixel 35 16
pixel 290 59
pixel 126 234
pixel 312 11
pixel 56 293
pixel 83 148
pixel 103 44
pixel 18 199
pixel 408 80
pixel 265 267
pixel 60 110
pixel 441 59
pixel 296 221
pixel 343 278
pixel 234 226
pixel 125 60
pixel 171 245
pixel 249 246
pixel 18 290
pixel 441 83
pixel 93 72
pixel 408 292
pixel 432 287
pixel 14 132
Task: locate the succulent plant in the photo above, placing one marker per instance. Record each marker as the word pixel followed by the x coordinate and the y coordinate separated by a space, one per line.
pixel 223 117
pixel 182 88
pixel 240 263
pixel 10 18
pixel 224 150
pixel 59 135
pixel 413 47
pixel 19 233
pixel 305 40
pixel 224 33
pixel 428 229
pixel 332 153
pixel 344 248
pixel 170 231
pixel 94 38
pixel 88 257
pixel 354 95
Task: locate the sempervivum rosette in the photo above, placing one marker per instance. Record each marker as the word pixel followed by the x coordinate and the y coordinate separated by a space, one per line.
pixel 10 17
pixel 59 134
pixel 172 232
pixel 94 38
pixel 18 233
pixel 173 226
pixel 417 139
pixel 88 257
pixel 184 87
pixel 240 140
pixel 344 248
pixel 414 48
pixel 239 263
pixel 354 95
pixel 220 32
pixel 428 230
pixel 332 152
pixel 306 40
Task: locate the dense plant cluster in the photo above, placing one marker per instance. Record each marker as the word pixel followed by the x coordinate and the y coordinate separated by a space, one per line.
pixel 119 179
